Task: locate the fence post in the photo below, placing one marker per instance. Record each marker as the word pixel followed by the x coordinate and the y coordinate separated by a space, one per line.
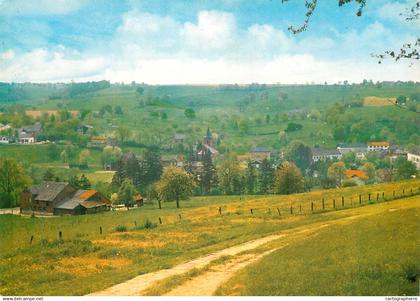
pixel 393 194
pixel 60 234
pixel 252 211
pixel 323 203
pixel 179 215
pixel 278 210
pixel 312 206
pixel 32 238
pixel 342 201
pixel 403 192
pixel 410 190
pixel 291 210
pixel 220 210
pixel 334 203
pixel 360 199
pixel 135 223
pixel 383 195
pixel 377 197
pixel 300 208
pixel 160 221
pixel 100 230
pixel 160 204
pixel 369 196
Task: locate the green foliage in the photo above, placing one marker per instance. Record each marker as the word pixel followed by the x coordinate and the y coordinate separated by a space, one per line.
pixel 337 172
pixel 300 154
pixel 230 177
pixel 126 192
pixel 12 181
pixel 120 228
pixel 292 127
pixel 288 179
pixel 405 169
pixel 189 113
pixel 175 184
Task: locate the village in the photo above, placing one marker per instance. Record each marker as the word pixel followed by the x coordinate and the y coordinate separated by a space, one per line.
pixel 346 165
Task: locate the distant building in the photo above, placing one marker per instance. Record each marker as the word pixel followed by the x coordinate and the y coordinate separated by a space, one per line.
pixel 179 138
pixel 138 199
pixel 173 160
pixel 208 138
pixel 358 149
pixel 415 158
pixel 25 138
pixel 357 176
pixel 378 146
pixel 97 142
pixel 4 140
pixel 260 153
pixel 4 127
pixel 32 130
pixel 320 154
pixel 61 198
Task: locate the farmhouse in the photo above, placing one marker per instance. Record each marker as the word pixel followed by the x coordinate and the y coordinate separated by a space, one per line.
pixel 138 199
pixel 25 138
pixel 415 158
pixel 358 176
pixel 61 198
pixel 378 146
pixel 320 154
pixel 260 153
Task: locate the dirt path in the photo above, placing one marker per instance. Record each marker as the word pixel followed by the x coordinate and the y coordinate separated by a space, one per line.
pixel 207 283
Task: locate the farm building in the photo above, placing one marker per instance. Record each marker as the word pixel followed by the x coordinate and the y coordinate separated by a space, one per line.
pixel 138 199
pixel 415 158
pixel 260 153
pixel 358 176
pixel 60 198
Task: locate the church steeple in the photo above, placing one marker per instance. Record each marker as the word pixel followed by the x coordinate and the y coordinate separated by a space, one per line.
pixel 208 139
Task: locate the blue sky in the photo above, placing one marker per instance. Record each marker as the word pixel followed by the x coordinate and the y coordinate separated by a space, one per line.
pixel 203 41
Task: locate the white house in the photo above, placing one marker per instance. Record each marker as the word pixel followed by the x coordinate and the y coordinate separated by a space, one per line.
pixel 378 146
pixel 319 154
pixel 25 138
pixel 415 158
pixel 359 149
pixel 4 140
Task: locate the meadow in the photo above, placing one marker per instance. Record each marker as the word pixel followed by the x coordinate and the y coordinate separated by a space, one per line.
pixel 135 242
pixel 375 256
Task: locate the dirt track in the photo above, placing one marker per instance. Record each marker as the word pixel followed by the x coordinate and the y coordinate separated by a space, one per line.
pixel 206 283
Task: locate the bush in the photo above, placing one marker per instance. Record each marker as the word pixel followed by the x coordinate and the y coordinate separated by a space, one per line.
pixel 349 183
pixel 147 225
pixel 120 228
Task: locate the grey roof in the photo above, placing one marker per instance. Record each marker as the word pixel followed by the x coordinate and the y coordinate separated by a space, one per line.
pixel 23 135
pixel 325 152
pixel 34 128
pixel 48 191
pixel 355 145
pixel 260 149
pixel 68 203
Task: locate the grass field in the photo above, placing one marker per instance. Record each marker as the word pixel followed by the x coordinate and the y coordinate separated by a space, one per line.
pixel 378 255
pixel 86 261
pixel 373 101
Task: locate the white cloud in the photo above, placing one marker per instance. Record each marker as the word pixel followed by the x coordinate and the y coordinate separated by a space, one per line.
pixel 39 7
pixel 41 65
pixel 7 55
pixel 214 30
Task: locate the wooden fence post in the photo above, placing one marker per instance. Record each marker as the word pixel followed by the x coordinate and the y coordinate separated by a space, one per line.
pixel 291 210
pixel 220 210
pixel 369 197
pixel 334 203
pixel 300 208
pixel 360 199
pixel 323 203
pixel 32 238
pixel 410 190
pixel 179 215
pixel 403 192
pixel 160 221
pixel 393 194
pixel 252 211
pixel 100 230
pixel 383 195
pixel 312 206
pixel 342 201
pixel 60 234
pixel 377 197
pixel 135 223
pixel 278 210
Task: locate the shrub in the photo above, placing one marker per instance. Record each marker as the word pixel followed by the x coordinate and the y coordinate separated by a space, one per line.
pixel 149 225
pixel 120 228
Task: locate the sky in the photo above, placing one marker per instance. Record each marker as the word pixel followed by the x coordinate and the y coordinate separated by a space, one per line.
pixel 201 41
